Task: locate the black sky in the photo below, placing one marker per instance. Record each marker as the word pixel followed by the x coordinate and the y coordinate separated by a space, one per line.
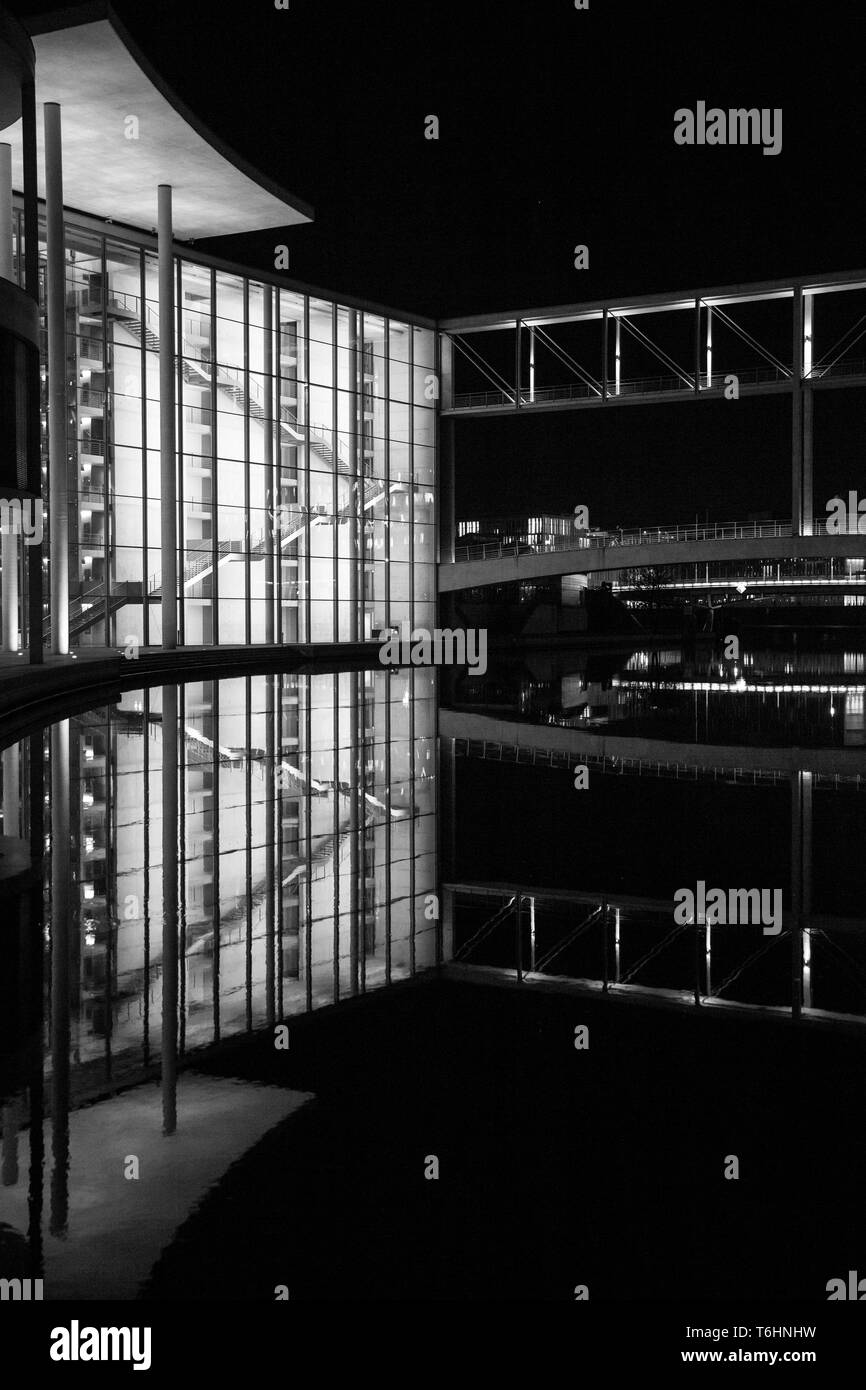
pixel 556 128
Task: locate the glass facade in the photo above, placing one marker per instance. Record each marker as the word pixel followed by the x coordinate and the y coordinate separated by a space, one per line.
pixel 306 457
pixel 305 810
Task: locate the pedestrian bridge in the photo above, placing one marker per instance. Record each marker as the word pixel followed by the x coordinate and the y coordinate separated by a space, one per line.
pixel 591 552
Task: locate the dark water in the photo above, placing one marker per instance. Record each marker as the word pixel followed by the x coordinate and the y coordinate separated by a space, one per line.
pixel 229 1050
pixel 764 698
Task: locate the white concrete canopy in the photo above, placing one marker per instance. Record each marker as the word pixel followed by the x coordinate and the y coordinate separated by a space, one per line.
pixel 100 80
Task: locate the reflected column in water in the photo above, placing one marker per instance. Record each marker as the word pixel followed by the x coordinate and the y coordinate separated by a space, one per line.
pixel 170 866
pixel 801 891
pixel 11 1119
pixel 62 933
pixel 21 953
pixel 32 995
pixel 11 790
pixel 447 779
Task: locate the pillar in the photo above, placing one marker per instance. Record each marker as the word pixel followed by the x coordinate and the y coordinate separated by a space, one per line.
pixel 58 536
pixel 709 346
pixel 6 212
pixel 518 938
pixel 532 363
pixel 446 372
pixel 708 949
pixel 517 364
pixel 801 424
pixel 808 402
pixel 8 543
pixel 33 553
pixel 10 593
pixel 447 520
pixel 167 423
pixel 617 357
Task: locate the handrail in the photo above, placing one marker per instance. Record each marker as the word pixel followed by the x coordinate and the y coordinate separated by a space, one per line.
pixel 599 540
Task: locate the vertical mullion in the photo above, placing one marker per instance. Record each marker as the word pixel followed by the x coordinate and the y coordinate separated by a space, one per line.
pixel 386 797
pixel 146 876
pixel 308 597
pixel 214 478
pixel 182 865
pixel 271 540
pixel 273 395
pixel 248 779
pixel 271 878
pixel 180 399
pixel 335 489
pixel 279 695
pixel 34 553
pixel 247 539
pixel 215 829
pixel 145 578
pixel 308 815
pixel 279 791
pixel 110 888
pixel 336 837
pixel 362 824
pixel 411 675
pixel 107 415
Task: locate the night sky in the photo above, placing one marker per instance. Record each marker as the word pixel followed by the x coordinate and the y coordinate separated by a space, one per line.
pixel 556 128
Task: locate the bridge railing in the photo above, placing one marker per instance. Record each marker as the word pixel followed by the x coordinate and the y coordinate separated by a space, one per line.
pixel 646 386
pixel 646 535
pixel 634 386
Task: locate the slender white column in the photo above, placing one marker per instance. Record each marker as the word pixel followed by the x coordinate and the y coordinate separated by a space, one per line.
pixel 8 544
pixel 167 427
pixel 58 534
pixel 9 556
pixel 6 212
pixel 709 346
pixel 532 364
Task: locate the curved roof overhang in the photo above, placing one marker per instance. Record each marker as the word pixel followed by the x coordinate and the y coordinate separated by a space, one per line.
pixel 16 67
pixel 87 62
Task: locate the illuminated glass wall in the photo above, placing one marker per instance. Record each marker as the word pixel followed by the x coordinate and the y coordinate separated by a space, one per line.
pixel 306 444
pixel 306 834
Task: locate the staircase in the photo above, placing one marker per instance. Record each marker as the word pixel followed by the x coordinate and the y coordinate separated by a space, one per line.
pixel 91 607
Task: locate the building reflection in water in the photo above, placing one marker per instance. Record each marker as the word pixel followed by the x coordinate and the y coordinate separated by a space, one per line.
pixel 219 856
pixel 802 698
